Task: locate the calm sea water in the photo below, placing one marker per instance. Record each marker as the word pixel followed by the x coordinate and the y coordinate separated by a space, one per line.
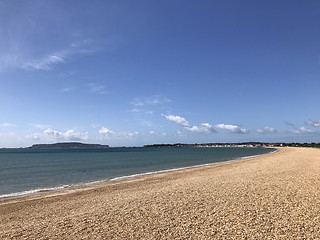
pixel 27 171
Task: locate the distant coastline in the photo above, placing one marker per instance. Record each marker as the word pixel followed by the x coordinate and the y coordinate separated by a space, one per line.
pixel 79 145
pixel 241 144
pixel 68 145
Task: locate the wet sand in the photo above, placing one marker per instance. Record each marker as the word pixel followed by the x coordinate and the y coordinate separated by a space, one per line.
pixel 275 196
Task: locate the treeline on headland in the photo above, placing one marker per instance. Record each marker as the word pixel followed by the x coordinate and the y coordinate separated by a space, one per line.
pixel 68 145
pixel 313 144
pixel 78 145
pixel 242 144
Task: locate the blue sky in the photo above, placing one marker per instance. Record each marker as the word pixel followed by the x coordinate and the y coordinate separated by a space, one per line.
pixel 128 73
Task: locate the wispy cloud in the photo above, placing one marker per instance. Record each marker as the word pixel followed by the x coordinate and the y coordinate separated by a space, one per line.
pixel 134 110
pixel 65 90
pixel 180 133
pixel 7 125
pixel 140 110
pixel 82 44
pixel 45 63
pixel 144 109
pixel 266 130
pixel 8 60
pixel 232 128
pixel 48 61
pixel 128 134
pixel 149 101
pixel 312 123
pixel 95 125
pixel 300 130
pixel 303 130
pixel 289 124
pixel 40 126
pixel 97 88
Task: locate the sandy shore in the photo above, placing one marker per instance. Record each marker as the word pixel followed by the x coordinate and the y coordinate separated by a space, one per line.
pixel 276 196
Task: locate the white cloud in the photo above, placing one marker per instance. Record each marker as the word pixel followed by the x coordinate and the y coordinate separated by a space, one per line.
pixel 7 125
pixel 54 135
pixel 73 135
pixel 149 101
pixel 203 128
pixel 232 128
pixel 267 130
pixel 313 123
pixel 128 134
pixel 178 120
pixel 40 126
pixel 300 130
pixel 51 132
pixel 152 132
pixel 68 135
pixel 107 133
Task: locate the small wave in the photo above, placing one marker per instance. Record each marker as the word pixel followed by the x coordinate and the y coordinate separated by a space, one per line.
pixel 50 189
pixel 31 192
pixel 258 155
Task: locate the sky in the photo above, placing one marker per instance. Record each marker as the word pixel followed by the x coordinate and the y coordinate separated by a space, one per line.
pixel 129 73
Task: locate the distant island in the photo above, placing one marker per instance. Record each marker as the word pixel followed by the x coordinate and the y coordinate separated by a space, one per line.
pixel 68 145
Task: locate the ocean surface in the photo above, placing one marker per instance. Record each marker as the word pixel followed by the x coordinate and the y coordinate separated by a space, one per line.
pixel 28 171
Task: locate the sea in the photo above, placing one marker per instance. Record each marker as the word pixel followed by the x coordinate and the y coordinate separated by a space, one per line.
pixel 30 171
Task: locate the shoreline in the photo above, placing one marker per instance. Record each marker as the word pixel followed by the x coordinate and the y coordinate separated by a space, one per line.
pixel 274 196
pixel 188 167
pixel 42 191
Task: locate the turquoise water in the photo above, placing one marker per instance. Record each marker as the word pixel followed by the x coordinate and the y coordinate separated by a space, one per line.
pixel 27 171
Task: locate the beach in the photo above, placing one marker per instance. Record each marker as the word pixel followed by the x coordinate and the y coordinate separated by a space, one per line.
pixel 275 196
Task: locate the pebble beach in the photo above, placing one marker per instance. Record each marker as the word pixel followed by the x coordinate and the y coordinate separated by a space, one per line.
pixel 275 196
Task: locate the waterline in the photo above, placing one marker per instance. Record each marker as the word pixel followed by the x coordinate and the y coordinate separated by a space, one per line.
pixel 113 179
